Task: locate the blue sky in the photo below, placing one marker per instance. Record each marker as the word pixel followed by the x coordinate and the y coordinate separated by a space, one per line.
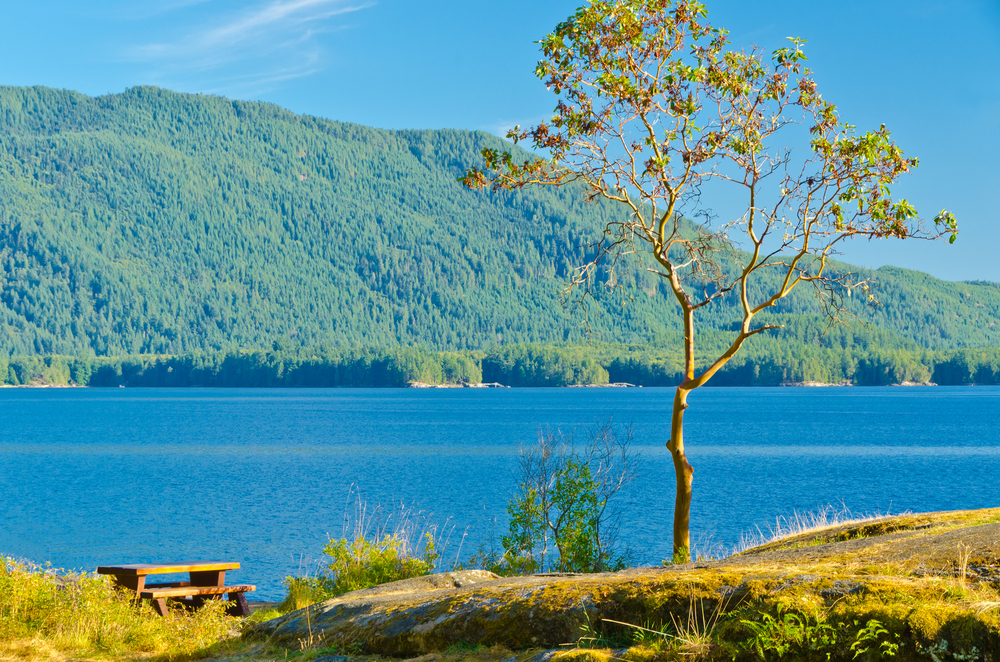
pixel 928 69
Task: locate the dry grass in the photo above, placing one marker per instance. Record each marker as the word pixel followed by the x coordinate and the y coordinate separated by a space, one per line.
pixel 985 606
pixel 49 615
pixel 963 564
pixel 694 635
pixel 803 523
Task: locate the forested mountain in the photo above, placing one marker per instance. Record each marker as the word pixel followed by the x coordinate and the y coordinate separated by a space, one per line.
pixel 151 222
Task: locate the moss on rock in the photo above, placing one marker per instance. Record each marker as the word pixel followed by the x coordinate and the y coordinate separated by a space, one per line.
pixel 897 583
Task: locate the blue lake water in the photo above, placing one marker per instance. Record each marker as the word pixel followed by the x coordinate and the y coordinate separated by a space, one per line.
pixel 101 476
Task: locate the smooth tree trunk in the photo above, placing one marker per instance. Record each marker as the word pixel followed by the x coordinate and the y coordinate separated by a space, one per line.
pixel 684 474
pixel 682 468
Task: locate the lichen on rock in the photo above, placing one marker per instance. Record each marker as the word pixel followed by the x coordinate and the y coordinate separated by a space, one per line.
pixel 901 573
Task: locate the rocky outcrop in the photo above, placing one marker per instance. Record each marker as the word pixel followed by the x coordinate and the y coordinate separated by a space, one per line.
pixel 414 616
pixel 836 567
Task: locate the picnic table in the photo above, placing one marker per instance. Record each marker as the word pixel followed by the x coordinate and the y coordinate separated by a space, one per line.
pixel 207 581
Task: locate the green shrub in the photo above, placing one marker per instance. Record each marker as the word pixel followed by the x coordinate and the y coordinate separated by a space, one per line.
pixel 565 512
pixel 563 516
pixel 797 636
pixel 377 546
pixel 359 564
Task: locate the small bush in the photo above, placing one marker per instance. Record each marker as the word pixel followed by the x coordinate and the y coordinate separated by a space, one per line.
pixel 563 516
pixel 369 556
pixel 359 564
pixel 798 636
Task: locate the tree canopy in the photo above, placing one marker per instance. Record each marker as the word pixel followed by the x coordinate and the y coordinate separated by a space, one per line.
pixel 657 113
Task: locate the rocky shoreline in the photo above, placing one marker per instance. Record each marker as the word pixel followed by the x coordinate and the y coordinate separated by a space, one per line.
pixel 906 566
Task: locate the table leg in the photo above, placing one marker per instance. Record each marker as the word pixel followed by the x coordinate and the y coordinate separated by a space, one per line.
pixel 239 606
pixel 134 583
pixel 160 605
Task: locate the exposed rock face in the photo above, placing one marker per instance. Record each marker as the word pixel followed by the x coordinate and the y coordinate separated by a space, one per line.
pixel 443 581
pixel 414 616
pixel 834 566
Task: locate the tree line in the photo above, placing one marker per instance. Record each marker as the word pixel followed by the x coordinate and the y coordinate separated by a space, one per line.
pixel 524 365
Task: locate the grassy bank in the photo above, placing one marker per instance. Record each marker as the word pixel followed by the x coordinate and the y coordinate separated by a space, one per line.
pixel 913 587
pixel 47 615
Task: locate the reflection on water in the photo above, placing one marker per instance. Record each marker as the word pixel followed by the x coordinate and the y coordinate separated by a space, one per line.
pixel 93 476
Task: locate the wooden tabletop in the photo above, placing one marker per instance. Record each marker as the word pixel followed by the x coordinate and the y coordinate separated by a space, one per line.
pixel 139 569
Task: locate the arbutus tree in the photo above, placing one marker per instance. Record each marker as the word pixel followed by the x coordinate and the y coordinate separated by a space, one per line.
pixel 655 111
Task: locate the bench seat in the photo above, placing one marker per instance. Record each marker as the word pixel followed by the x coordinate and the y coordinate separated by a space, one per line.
pixel 158 595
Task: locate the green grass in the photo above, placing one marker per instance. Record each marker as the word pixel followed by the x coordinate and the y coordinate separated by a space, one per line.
pixel 47 615
pixel 51 615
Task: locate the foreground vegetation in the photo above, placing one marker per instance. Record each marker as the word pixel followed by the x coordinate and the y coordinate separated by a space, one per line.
pixel 828 594
pixel 45 615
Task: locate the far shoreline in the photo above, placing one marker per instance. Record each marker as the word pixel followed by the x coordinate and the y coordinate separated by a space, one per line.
pixel 425 386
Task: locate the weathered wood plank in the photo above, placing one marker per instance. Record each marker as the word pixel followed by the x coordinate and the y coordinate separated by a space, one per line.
pixel 168 585
pixel 181 591
pixel 141 569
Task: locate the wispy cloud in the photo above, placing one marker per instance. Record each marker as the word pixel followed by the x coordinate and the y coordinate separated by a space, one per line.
pixel 250 52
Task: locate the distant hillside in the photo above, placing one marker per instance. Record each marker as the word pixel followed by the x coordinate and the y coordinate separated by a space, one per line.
pixel 151 222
